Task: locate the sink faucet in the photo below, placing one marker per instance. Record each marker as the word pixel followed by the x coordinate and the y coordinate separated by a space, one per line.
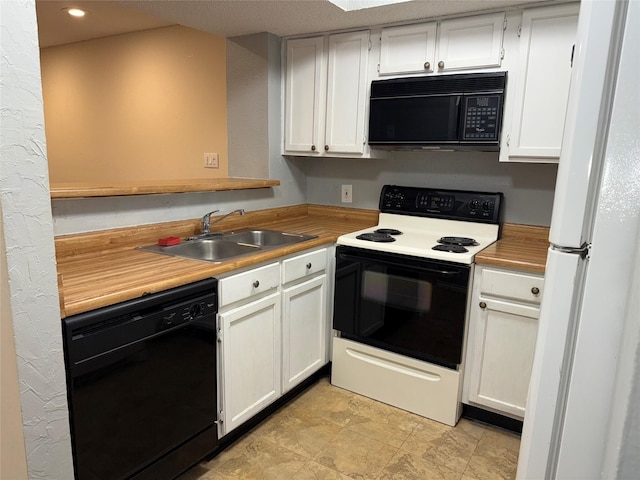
pixel 206 220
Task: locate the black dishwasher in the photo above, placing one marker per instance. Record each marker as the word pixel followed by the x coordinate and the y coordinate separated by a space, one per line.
pixel 141 380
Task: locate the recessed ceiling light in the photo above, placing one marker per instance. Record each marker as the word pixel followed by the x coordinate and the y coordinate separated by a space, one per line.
pixel 350 5
pixel 75 12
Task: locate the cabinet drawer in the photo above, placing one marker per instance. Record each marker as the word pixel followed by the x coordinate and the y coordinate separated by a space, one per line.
pixel 517 286
pixel 247 284
pixel 303 265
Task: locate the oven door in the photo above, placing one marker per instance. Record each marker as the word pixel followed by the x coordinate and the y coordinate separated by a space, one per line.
pixel 408 305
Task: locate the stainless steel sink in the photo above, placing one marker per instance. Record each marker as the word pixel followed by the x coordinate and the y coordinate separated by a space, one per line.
pixel 266 238
pixel 226 246
pixel 207 249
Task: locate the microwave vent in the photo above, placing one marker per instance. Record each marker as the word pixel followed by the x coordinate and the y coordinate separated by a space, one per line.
pixel 439 85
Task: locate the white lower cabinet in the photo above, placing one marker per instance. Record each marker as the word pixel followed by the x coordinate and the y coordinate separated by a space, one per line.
pixel 250 359
pixel 272 330
pixel 304 330
pixel 503 325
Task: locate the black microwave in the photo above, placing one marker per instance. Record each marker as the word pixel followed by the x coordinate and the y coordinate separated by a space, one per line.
pixel 457 112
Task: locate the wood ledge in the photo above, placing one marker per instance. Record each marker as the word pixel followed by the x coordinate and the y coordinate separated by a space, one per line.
pixel 82 190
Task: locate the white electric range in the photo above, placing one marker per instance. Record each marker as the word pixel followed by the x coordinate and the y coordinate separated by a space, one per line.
pixel 402 294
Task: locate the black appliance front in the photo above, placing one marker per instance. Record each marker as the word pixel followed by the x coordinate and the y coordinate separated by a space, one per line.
pixel 449 111
pixel 142 385
pixel 408 305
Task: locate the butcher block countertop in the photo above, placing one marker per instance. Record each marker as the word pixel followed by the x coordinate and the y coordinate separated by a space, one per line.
pixel 522 247
pixel 103 268
pixel 98 269
pixel 82 190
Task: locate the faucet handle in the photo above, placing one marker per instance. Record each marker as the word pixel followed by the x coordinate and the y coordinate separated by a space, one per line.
pixel 205 221
pixel 210 213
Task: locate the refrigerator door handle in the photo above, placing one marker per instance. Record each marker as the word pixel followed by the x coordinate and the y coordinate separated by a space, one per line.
pixel 583 250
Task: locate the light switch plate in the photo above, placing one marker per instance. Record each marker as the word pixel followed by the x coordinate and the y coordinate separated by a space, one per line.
pixel 211 160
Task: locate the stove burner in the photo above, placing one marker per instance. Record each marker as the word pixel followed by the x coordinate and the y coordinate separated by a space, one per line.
pixel 450 248
pixel 388 231
pixel 460 241
pixel 376 237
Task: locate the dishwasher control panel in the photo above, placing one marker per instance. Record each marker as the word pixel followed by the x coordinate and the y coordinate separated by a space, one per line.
pixel 194 310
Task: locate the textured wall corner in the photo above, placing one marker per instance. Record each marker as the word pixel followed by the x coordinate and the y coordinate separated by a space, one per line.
pixel 29 247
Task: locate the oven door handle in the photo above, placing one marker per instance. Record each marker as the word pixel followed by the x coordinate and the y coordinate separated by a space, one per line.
pixel 444 273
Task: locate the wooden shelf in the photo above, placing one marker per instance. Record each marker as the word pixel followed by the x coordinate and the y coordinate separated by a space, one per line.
pixel 80 190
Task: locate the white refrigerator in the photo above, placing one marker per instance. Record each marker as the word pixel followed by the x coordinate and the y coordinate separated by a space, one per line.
pixel 581 418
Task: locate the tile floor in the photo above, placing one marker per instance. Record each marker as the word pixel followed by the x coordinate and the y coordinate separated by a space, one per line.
pixel 328 433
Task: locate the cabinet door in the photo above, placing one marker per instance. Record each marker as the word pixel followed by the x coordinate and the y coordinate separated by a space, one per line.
pixel 542 83
pixel 408 49
pixel 470 42
pixel 304 97
pixel 346 93
pixel 251 365
pixel 504 342
pixel 304 330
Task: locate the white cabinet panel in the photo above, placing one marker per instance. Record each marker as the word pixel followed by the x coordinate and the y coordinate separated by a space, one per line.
pixel 248 284
pixel 461 44
pixel 470 42
pixel 408 49
pixel 503 355
pixel 503 325
pixel 346 93
pixel 541 84
pixel 304 265
pixel 273 333
pixel 304 330
pixel 251 363
pixel 512 285
pixel 304 94
pixel 325 104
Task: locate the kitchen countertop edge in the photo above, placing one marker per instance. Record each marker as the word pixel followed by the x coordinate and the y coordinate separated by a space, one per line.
pixel 91 280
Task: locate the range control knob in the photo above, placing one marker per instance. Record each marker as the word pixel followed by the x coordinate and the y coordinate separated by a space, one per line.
pixel 474 204
pixel 486 205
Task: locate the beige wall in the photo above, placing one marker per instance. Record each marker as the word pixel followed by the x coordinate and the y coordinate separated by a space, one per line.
pixel 13 462
pixel 140 106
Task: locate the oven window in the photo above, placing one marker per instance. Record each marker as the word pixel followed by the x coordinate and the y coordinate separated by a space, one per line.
pixel 413 308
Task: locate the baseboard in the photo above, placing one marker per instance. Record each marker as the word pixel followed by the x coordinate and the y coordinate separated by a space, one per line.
pixel 502 421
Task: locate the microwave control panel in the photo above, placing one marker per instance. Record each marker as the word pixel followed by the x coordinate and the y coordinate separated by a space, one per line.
pixel 481 118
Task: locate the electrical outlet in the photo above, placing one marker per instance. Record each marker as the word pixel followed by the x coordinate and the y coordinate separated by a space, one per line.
pixel 347 194
pixel 211 160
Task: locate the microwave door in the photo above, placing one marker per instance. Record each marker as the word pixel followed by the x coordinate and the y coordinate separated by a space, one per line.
pixel 420 120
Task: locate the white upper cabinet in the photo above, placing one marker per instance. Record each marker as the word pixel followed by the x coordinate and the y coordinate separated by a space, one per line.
pixel 408 49
pixel 346 93
pixel 461 44
pixel 326 89
pixel 470 42
pixel 304 104
pixel 540 85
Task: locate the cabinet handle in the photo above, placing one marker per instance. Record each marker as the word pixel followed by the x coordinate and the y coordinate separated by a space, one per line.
pixel 313 148
pixel 483 305
pixel 309 265
pixel 535 290
pixel 256 284
pixel 427 66
pixel 440 64
pixel 326 148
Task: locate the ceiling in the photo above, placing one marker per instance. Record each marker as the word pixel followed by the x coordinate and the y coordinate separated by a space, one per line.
pixel 231 18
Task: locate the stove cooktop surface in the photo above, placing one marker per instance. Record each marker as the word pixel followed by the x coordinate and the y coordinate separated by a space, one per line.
pixel 446 225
